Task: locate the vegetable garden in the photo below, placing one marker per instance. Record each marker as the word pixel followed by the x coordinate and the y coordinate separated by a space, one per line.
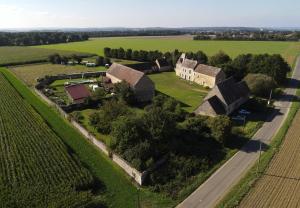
pixel 36 168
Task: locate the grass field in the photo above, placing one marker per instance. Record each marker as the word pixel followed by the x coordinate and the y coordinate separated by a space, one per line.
pixel 30 73
pixel 36 167
pixel 190 95
pixel 21 55
pixel 287 49
pixel 119 191
pixel 279 186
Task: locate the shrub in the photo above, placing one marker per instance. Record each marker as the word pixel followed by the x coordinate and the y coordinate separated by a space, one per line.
pixel 260 84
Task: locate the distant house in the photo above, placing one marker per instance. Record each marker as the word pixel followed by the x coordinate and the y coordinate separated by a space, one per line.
pixel 142 85
pixel 77 93
pixel 163 65
pixel 191 70
pixel 226 97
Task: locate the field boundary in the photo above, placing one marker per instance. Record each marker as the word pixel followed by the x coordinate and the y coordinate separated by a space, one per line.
pixel 120 190
pixel 132 172
pixel 253 174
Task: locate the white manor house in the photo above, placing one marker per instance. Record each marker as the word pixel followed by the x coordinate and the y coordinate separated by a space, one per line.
pixel 191 70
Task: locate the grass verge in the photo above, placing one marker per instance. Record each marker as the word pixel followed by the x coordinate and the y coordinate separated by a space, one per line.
pixel 237 193
pixel 119 191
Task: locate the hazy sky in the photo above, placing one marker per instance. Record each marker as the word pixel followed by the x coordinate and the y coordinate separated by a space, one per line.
pixel 148 13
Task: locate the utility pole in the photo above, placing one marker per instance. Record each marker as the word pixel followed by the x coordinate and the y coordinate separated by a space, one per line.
pixel 269 101
pixel 138 198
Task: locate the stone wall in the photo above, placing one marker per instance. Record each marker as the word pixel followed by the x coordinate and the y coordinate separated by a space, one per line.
pixel 132 172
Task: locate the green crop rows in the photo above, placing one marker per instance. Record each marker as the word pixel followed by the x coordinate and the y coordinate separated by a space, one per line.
pixel 36 168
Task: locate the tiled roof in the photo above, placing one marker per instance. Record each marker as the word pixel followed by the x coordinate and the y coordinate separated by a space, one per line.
pixel 78 91
pixel 125 73
pixel 191 64
pixel 231 90
pixel 208 70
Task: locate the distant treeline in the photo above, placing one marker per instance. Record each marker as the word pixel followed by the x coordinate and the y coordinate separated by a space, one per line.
pixel 142 55
pixel 39 38
pixel 134 33
pixel 251 36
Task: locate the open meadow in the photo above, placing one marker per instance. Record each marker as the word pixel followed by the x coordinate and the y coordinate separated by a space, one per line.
pixel 279 186
pixel 37 168
pixel 22 55
pixel 289 50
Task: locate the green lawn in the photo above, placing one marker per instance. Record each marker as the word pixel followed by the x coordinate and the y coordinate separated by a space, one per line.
pixel 119 191
pixel 190 95
pixel 10 55
pixel 288 49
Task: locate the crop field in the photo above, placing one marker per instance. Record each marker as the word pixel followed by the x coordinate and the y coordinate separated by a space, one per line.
pixel 30 73
pixel 22 55
pixel 189 94
pixel 280 184
pixel 289 50
pixel 36 168
pixel 118 190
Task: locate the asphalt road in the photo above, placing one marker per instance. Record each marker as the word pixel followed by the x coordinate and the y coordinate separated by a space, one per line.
pixel 220 183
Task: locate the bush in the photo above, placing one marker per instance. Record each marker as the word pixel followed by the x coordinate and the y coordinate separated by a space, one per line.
pixel 260 84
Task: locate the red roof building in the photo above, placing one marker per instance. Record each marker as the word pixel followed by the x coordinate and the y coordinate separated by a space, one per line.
pixel 77 93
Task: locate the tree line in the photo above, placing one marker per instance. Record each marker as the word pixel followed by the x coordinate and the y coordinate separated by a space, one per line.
pixel 250 36
pixel 39 38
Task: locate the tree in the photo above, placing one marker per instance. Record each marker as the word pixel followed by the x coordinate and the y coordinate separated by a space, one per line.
pixel 124 92
pixel 99 61
pixel 76 58
pixel 106 61
pixel 219 59
pixel 121 53
pixel 64 59
pixel 273 65
pixel 110 111
pixel 135 55
pixel 159 123
pixel 107 52
pixel 54 58
pixel 240 65
pixel 260 84
pixel 98 94
pixel 201 57
pixel 220 128
pixel 128 54
pixel 197 125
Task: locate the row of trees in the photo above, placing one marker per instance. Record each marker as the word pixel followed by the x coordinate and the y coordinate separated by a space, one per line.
pixel 250 36
pixel 39 38
pixel 151 56
pixel 58 59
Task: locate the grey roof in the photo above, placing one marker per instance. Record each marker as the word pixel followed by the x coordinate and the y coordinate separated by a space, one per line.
pixel 208 70
pixel 231 91
pixel 191 64
pixel 211 107
pixel 125 73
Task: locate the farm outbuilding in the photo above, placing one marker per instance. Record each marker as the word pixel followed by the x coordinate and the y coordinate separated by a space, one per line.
pixel 142 85
pixel 77 93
